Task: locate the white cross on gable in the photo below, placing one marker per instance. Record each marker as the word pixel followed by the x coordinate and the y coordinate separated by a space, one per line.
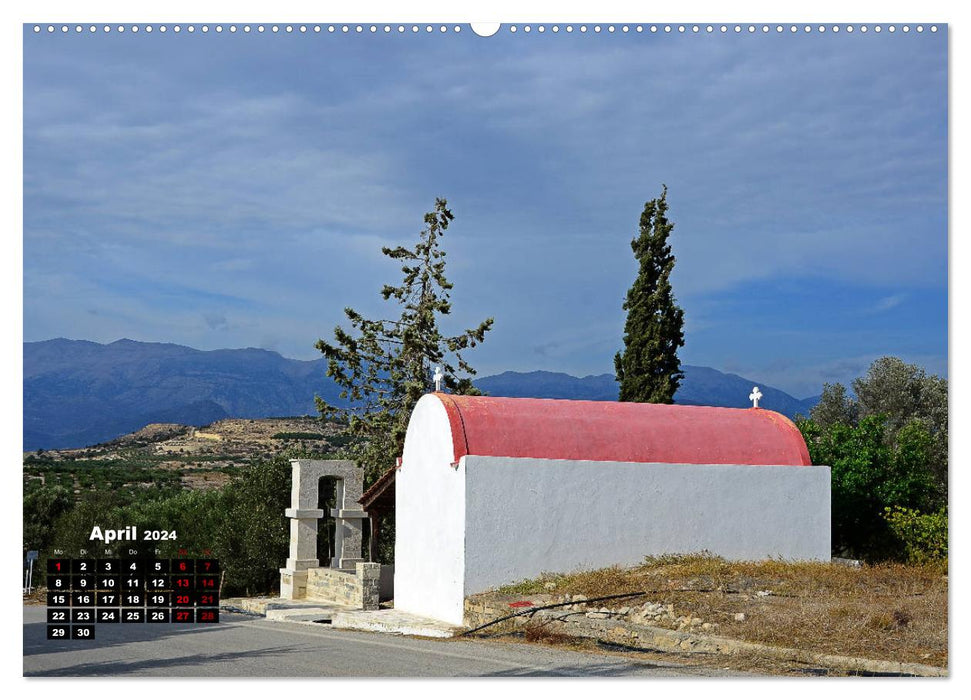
pixel 755 396
pixel 438 378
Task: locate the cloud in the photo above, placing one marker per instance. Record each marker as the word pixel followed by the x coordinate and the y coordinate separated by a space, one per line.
pixel 780 159
pixel 268 342
pixel 234 265
pixel 265 185
pixel 544 349
pixel 887 303
pixel 215 321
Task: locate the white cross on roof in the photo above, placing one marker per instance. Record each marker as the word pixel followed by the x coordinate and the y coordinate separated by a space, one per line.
pixel 755 396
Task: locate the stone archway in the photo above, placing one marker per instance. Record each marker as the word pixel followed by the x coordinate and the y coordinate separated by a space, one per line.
pixel 304 515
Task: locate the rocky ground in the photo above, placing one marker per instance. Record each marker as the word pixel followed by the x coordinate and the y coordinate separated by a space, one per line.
pixel 890 612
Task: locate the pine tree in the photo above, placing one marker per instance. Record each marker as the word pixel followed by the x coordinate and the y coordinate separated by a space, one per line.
pixel 648 369
pixel 383 367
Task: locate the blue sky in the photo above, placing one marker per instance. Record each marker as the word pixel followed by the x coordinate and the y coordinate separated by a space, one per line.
pixel 231 190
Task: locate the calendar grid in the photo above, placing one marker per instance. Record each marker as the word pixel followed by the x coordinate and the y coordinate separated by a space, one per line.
pixel 83 593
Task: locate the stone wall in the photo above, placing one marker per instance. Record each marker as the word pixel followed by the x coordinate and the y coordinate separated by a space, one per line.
pixel 482 609
pixel 359 589
pixel 575 609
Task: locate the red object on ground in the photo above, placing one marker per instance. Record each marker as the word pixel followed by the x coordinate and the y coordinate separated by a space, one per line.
pixel 610 431
pixel 521 604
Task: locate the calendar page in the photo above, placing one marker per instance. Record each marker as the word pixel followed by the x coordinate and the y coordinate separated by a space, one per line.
pixel 573 346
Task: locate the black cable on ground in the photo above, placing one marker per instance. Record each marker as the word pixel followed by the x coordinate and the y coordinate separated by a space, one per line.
pixel 587 600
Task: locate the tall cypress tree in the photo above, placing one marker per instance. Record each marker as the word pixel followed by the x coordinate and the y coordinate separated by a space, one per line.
pixel 383 367
pixel 648 369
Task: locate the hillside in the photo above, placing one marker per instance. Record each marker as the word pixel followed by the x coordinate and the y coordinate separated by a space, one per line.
pixel 182 454
pixel 228 438
pixel 79 393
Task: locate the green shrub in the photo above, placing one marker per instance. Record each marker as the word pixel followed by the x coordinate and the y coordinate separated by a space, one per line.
pixel 922 535
pixel 42 505
pixel 868 476
pixel 253 538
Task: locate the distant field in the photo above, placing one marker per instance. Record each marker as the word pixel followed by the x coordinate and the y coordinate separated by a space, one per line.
pixel 172 456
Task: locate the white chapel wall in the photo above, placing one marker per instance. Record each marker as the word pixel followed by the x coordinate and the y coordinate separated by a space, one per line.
pixel 429 519
pixel 524 517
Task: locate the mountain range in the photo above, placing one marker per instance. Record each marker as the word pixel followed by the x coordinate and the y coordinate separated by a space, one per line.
pixel 79 393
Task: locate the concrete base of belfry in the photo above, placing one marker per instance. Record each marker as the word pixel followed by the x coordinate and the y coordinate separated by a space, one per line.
pixel 393 622
pixel 315 612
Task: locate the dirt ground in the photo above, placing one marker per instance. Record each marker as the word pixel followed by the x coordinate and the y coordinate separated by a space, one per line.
pixel 749 663
pixel 890 612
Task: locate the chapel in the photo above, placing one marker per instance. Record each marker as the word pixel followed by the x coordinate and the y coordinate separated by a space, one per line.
pixel 490 491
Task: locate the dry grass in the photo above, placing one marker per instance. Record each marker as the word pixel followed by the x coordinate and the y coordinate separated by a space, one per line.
pixel 893 612
pixel 542 634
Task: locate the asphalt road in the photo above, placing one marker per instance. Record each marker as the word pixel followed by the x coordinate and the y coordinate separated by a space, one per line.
pixel 240 646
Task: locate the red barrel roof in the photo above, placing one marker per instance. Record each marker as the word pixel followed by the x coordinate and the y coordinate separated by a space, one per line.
pixel 608 431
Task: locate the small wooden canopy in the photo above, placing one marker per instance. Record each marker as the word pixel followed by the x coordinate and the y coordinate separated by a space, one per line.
pixel 377 502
